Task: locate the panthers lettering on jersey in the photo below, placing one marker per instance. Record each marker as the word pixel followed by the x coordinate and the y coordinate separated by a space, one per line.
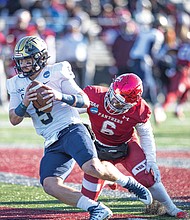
pixel 111 129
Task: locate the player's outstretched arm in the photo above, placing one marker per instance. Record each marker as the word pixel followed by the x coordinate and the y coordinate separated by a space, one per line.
pixel 147 141
pixel 79 100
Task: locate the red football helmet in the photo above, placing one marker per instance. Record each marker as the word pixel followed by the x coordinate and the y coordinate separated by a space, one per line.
pixel 124 93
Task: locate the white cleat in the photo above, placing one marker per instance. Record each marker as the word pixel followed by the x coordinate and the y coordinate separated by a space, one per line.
pixel 139 190
pixel 99 212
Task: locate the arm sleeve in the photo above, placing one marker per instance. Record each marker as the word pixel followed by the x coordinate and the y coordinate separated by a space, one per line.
pixel 147 141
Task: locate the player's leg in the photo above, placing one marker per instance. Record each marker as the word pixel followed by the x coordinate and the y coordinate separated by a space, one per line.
pixel 54 169
pixel 183 98
pixel 160 194
pixel 84 153
pixel 135 163
pixel 92 186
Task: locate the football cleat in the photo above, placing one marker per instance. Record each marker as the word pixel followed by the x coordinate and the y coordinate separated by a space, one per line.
pixel 183 215
pixel 178 213
pixel 139 190
pixel 100 212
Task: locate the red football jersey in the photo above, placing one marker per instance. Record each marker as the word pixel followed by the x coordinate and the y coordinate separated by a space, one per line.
pixel 110 129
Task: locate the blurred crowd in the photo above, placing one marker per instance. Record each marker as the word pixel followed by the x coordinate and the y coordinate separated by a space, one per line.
pixel 148 37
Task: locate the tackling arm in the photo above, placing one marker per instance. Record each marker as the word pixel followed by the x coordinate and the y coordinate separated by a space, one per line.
pixel 144 131
pixel 147 142
pixel 80 100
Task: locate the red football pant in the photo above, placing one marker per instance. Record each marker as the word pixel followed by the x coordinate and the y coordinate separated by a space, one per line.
pixel 134 164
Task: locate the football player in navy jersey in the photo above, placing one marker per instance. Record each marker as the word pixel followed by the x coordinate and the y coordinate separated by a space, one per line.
pixel 66 138
pixel 120 120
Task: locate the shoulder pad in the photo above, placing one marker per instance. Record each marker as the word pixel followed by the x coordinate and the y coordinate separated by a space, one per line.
pixel 65 69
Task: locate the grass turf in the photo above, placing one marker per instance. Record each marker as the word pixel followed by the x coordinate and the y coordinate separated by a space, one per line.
pixel 16 196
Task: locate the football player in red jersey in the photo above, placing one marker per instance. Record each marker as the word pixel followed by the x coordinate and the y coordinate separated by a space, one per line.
pixel 115 114
pixel 179 84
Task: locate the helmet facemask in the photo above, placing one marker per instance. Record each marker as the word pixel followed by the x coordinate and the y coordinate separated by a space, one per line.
pixel 115 103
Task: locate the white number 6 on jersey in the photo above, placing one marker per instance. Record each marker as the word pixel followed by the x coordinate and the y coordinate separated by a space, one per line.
pixel 107 128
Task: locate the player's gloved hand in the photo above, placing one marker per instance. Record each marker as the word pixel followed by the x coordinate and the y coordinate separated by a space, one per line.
pixel 152 166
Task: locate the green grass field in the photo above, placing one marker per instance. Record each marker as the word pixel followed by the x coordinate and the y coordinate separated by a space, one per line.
pixel 171 133
pixel 16 196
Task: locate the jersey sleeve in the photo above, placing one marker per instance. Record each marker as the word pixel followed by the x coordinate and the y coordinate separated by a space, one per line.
pixel 88 90
pixel 14 99
pixel 10 86
pixel 91 91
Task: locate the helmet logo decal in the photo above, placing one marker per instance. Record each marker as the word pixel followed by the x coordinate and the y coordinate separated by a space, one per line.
pixel 117 91
pixel 28 47
pixel 126 118
pixel 46 74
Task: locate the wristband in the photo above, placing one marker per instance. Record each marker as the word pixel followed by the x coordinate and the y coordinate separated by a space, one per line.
pixel 73 100
pixel 20 110
pixel 69 99
pixel 79 101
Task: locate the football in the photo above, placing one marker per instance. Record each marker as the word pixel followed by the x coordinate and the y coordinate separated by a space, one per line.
pixel 40 103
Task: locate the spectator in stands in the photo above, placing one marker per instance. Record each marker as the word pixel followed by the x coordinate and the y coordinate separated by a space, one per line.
pixel 21 28
pixel 123 43
pixel 108 20
pixel 3 76
pixel 48 35
pixel 73 48
pixel 57 12
pixel 13 6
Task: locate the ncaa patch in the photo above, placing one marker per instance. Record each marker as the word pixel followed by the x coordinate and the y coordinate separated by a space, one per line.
pixel 94 110
pixel 46 74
